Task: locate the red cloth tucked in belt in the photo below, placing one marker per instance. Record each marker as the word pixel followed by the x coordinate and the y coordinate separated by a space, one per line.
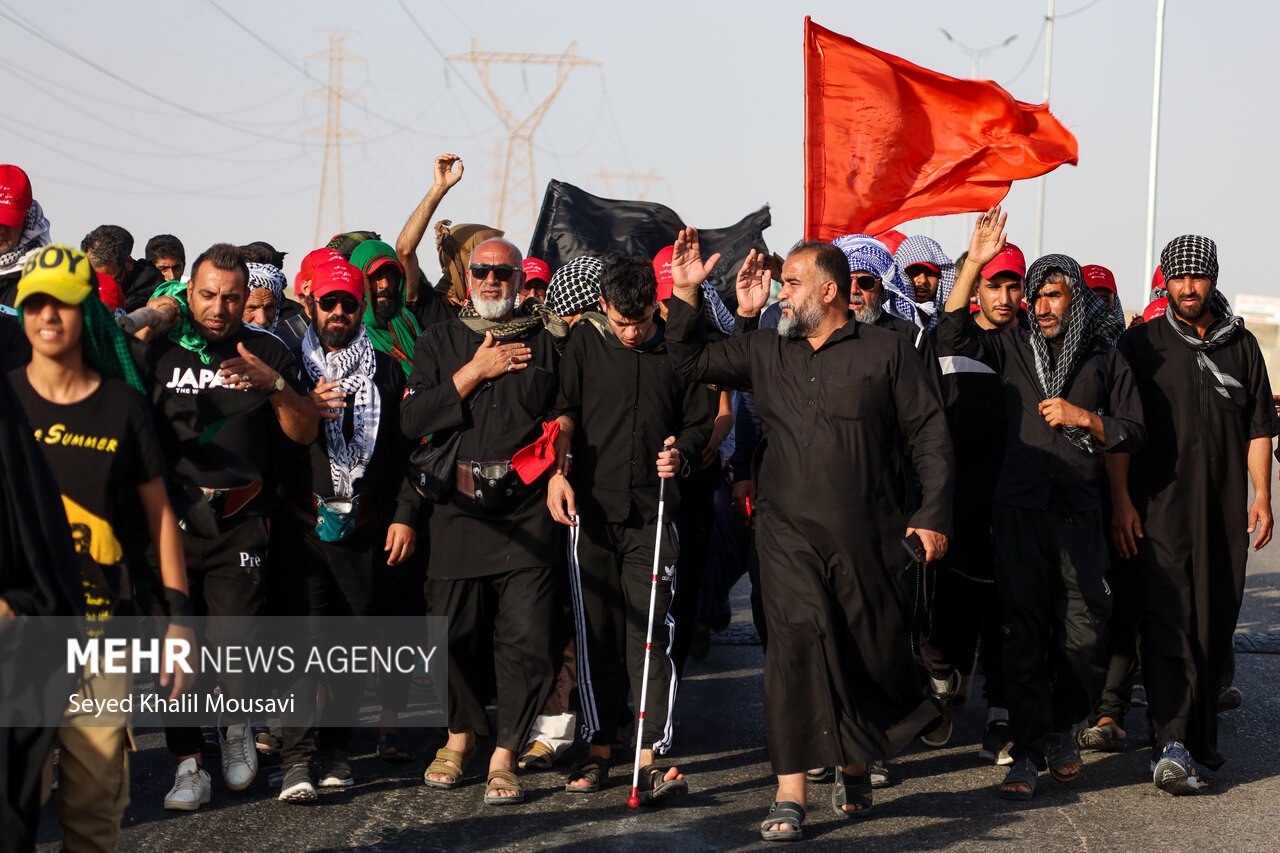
pixel 531 462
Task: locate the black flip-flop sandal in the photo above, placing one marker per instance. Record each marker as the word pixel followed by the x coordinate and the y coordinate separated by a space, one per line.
pixel 592 768
pixel 782 812
pixel 654 791
pixel 851 790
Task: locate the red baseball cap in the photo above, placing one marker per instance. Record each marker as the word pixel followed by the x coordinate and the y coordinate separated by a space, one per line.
pixel 1155 309
pixel 933 268
pixel 892 239
pixel 1099 277
pixel 1157 280
pixel 15 196
pixel 536 269
pixel 312 260
pixel 337 276
pixel 662 270
pixel 1010 259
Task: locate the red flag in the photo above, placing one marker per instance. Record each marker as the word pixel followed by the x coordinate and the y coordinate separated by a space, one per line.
pixel 887 141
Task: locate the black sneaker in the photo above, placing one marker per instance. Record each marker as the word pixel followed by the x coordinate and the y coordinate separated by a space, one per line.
pixel 335 772
pixel 297 786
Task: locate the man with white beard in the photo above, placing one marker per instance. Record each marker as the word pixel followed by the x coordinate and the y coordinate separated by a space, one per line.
pixel 488 378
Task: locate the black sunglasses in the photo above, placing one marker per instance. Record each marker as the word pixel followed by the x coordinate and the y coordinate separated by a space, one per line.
pixel 866 282
pixel 331 300
pixel 501 272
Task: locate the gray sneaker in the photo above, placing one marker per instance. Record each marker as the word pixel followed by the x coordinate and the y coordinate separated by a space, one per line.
pixel 297 786
pixel 191 788
pixel 335 772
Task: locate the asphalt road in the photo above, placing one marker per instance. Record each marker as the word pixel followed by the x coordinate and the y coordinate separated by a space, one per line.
pixel 944 800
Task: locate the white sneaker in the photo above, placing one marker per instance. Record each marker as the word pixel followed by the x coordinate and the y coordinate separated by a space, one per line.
pixel 239 756
pixel 191 787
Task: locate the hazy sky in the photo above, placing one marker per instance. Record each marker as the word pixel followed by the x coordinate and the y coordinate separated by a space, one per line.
pixel 707 95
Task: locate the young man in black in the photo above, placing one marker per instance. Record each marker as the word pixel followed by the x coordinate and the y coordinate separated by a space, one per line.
pixel 230 393
pixel 489 376
pixel 352 516
pixel 622 405
pixel 82 396
pixel 1069 397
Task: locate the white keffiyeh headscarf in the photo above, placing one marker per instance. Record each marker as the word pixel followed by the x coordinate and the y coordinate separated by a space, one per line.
pixel 867 253
pixel 35 233
pixel 353 367
pixel 270 277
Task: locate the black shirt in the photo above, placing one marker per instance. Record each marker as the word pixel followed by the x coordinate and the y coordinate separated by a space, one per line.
pixel 226 434
pixel 100 450
pixel 1040 463
pixel 833 417
pixel 498 418
pixel 384 485
pixel 624 402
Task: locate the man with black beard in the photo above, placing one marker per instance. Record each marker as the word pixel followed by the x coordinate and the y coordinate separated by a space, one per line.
pixel 389 324
pixel 1183 507
pixel 836 398
pixel 1068 398
pixel 488 378
pixel 353 518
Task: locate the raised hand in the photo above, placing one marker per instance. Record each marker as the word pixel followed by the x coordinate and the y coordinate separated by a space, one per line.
pixel 446 174
pixel 247 373
pixel 988 237
pixel 687 268
pixel 753 285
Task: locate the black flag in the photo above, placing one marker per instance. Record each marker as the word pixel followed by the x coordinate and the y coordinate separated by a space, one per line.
pixel 574 222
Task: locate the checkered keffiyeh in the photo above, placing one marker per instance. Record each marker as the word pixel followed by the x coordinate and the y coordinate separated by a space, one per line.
pixel 1088 321
pixel 922 250
pixel 867 253
pixel 714 311
pixel 270 277
pixel 1190 254
pixel 575 287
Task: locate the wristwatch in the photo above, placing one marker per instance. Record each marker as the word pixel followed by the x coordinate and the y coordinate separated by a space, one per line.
pixel 279 384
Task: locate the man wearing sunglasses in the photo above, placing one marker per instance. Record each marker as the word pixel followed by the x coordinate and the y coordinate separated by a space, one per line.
pixel 488 376
pixel 352 515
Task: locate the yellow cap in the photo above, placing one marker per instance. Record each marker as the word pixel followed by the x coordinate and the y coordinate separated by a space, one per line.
pixel 59 271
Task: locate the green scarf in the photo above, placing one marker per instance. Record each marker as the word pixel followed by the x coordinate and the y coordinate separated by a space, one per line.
pixel 105 347
pixel 397 337
pixel 184 333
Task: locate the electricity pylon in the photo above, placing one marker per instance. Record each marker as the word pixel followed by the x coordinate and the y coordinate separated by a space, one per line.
pixel 329 215
pixel 517 202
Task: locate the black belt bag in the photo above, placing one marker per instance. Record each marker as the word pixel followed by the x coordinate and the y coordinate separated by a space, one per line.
pixel 490 484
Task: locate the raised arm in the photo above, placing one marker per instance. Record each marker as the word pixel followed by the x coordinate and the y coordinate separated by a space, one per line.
pixel 987 241
pixel 692 356
pixel 411 235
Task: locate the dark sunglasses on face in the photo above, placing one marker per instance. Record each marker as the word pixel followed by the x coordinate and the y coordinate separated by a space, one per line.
pixel 501 272
pixel 866 282
pixel 331 300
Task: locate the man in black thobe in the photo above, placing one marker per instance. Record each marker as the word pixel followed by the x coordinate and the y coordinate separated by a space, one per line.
pixel 621 402
pixel 1202 378
pixel 1068 398
pixel 836 398
pixel 490 374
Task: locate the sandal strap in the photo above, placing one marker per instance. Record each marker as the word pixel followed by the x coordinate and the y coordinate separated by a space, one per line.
pixel 496 776
pixel 784 811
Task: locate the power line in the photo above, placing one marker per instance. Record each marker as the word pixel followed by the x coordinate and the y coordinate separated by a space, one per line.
pixel 1083 8
pixel 10 16
pixel 481 98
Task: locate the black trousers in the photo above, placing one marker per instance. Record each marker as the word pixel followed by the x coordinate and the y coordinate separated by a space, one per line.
pixel 697 517
pixel 962 612
pixel 1050 569
pixel 1122 641
pixel 840 683
pixel 611 575
pixel 23 751
pixel 500 641
pixel 349 578
pixel 225 577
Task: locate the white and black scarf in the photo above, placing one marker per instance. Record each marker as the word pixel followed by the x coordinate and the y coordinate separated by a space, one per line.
pixel 1192 254
pixel 35 233
pixel 353 367
pixel 1088 321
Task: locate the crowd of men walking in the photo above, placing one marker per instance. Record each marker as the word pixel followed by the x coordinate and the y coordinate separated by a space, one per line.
pixel 923 464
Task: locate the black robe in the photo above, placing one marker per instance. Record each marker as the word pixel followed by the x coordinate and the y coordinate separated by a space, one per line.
pixel 841 686
pixel 1190 486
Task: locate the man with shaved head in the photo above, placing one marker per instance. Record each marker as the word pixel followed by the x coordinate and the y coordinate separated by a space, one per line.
pixel 487 380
